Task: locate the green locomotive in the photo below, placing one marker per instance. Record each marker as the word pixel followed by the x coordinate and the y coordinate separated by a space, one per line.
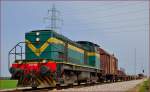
pixel 52 59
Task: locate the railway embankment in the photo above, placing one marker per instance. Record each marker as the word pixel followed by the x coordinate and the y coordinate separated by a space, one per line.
pixel 145 86
pixel 142 87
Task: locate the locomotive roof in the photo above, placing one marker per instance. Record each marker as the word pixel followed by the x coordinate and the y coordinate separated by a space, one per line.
pixel 61 37
pixel 91 43
pixel 46 30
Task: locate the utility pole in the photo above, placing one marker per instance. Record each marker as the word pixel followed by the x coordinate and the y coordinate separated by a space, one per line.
pixel 53 19
pixel 135 61
pixel 149 43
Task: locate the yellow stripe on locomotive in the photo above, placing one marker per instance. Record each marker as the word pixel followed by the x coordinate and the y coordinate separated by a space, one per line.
pixel 51 45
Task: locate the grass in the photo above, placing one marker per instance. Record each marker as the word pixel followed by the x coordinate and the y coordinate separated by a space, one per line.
pixel 8 84
pixel 145 86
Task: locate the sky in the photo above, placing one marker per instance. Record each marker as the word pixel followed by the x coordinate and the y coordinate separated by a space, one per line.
pixel 120 27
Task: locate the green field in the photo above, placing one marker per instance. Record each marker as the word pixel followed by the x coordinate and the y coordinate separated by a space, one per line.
pixel 8 84
pixel 145 86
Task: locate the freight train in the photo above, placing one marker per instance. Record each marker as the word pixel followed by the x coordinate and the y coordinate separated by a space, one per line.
pixel 52 59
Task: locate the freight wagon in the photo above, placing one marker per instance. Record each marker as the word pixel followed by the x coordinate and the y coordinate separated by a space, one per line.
pixel 109 65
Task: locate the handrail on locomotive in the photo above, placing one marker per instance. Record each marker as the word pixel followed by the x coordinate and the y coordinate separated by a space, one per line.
pixel 21 45
pixel 13 51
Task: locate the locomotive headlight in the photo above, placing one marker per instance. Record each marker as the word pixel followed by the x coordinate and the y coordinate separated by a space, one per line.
pixel 20 62
pixel 37 39
pixel 44 61
pixel 37 33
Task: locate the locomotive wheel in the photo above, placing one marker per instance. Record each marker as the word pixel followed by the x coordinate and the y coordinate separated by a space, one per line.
pixel 58 87
pixel 79 82
pixel 71 85
pixel 69 77
pixel 34 83
pixel 16 73
pixel 93 78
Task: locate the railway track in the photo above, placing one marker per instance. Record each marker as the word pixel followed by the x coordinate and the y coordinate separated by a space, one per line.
pixel 46 89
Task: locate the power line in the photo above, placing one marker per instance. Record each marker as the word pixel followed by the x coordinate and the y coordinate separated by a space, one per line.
pixel 115 28
pixel 118 22
pixel 125 26
pixel 123 20
pixel 127 31
pixel 100 19
pixel 122 13
pixel 116 25
pixel 112 8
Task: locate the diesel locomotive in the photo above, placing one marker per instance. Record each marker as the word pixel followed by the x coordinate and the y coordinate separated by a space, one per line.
pixel 52 59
